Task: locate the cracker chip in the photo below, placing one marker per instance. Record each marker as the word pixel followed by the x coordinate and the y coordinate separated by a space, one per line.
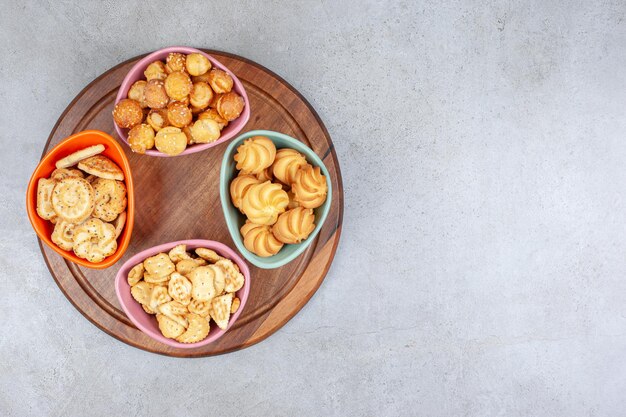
pixel 158 296
pixel 198 329
pixel 158 265
pixel 185 266
pixel 200 308
pixel 220 310
pixel 135 274
pixel 179 288
pixel 235 305
pixel 175 311
pixel 232 277
pixel 202 279
pixel 208 254
pixel 168 327
pixel 179 253
pixel 141 292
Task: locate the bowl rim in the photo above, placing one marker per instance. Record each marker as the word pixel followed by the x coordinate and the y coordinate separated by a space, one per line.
pixel 220 248
pixel 268 263
pixel 31 202
pixel 237 86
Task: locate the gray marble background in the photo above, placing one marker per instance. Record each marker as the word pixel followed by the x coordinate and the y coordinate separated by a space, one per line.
pixel 482 266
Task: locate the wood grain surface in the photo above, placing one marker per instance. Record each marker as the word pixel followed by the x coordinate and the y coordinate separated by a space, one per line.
pixel 178 198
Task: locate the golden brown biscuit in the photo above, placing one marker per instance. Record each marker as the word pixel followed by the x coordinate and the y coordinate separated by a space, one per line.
pixel 94 240
pixel 230 106
pixel 187 131
pixel 75 157
pixel 259 239
pixel 201 95
pixel 119 224
pixel 213 115
pixel 61 173
pixel 102 167
pixel 239 186
pixel 287 163
pixel 127 113
pixel 157 119
pixel 255 154
pixel 155 95
pixel 141 138
pixel 110 199
pixel 220 81
pixel 178 114
pixel 136 92
pixel 170 140
pixel 294 226
pixel 45 187
pixel 178 85
pixel 175 62
pixel 63 234
pixel 155 71
pixel 197 64
pixel 205 131
pixel 262 203
pixel 309 187
pixel 73 199
pixel 201 78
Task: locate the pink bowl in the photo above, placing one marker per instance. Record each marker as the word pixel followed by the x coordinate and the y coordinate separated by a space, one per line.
pixel 136 74
pixel 146 322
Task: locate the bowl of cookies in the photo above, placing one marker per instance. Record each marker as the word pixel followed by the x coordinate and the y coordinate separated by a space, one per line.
pixel 80 199
pixel 185 294
pixel 177 101
pixel 275 194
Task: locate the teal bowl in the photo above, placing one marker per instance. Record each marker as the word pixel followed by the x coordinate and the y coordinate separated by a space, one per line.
pixel 234 219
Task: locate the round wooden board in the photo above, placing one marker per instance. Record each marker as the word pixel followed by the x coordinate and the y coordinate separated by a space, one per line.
pixel 178 198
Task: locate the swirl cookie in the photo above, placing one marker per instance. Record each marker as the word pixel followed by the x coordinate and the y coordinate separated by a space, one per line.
pixel 259 239
pixel 239 186
pixel 286 165
pixel 262 203
pixel 294 226
pixel 309 187
pixel 255 154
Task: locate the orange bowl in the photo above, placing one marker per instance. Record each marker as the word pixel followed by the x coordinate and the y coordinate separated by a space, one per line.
pixel 78 141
